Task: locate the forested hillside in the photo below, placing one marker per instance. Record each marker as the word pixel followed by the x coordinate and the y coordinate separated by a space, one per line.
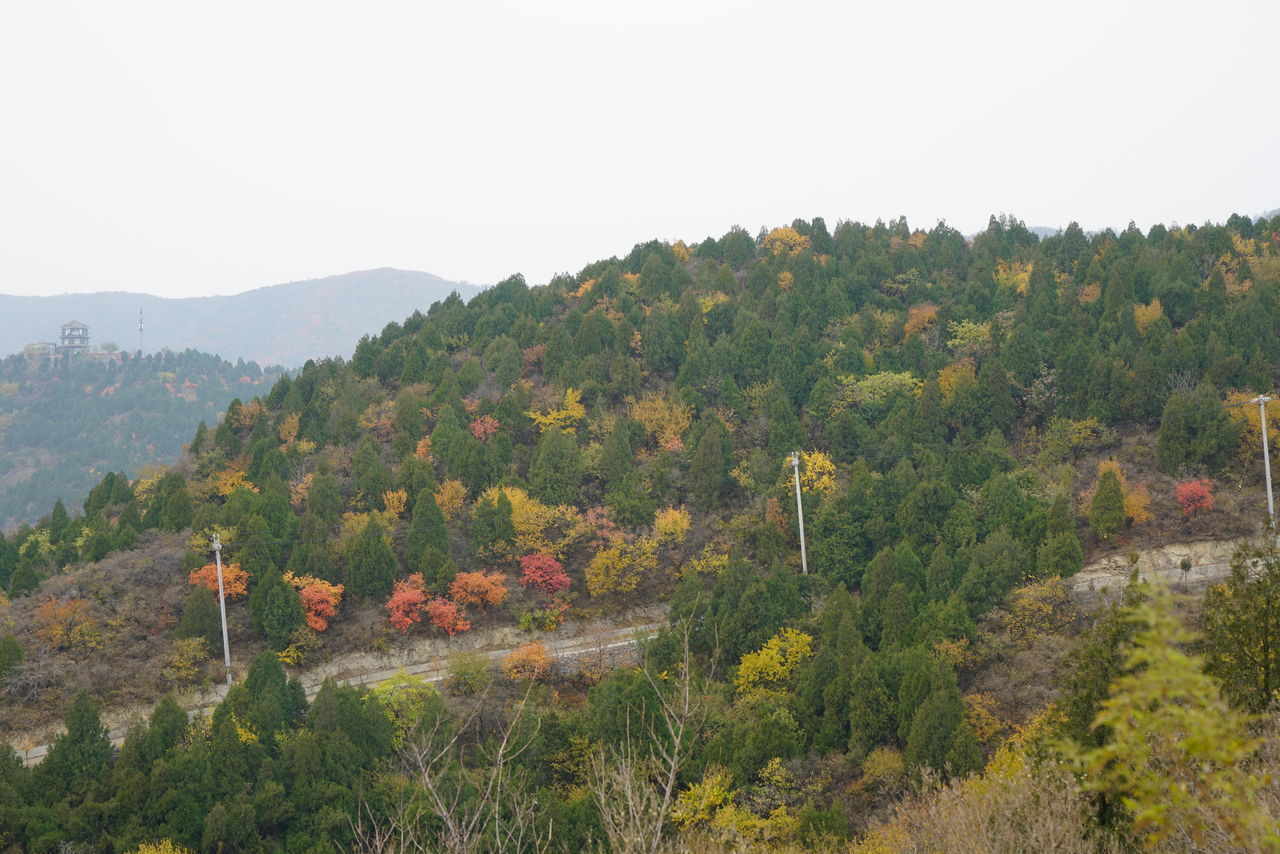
pixel 972 416
pixel 66 423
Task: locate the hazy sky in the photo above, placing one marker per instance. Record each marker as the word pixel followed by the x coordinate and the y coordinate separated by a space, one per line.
pixel 185 148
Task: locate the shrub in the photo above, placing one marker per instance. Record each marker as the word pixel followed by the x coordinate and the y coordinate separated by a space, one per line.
pixel 543 572
pixel 405 604
pixel 1195 496
pixel 527 661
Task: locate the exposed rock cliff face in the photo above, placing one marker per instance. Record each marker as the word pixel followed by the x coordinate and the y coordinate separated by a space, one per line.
pixel 1189 566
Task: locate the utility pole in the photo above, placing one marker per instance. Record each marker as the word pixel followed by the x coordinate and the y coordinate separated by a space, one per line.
pixel 1262 400
pixel 222 605
pixel 795 469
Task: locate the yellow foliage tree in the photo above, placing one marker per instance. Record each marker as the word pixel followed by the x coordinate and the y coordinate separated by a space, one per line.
pixel 1013 274
pixel 664 419
pixel 619 566
pixel 247 413
pixel 671 524
pixel 1249 416
pixel 817 477
pixel 709 562
pixel 379 418
pixel 785 239
pixel 450 497
pixel 566 417
pixel 1145 315
pixel 289 428
pixel 951 376
pixel 1037 609
pixel 968 337
pixel 539 527
pixel 786 280
pixel 299 489
pixel 229 480
pixel 768 670
pixel 164 846
pixel 394 501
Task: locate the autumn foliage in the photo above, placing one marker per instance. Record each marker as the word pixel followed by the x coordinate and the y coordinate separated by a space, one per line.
pixel 1195 496
pixel 482 589
pixel 320 598
pixel 543 572
pixel 527 661
pixel 484 428
pixel 447 615
pixel 407 599
pixel 235 581
pixel 66 623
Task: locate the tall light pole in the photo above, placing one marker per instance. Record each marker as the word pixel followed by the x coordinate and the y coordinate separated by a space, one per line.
pixel 222 605
pixel 1262 400
pixel 795 469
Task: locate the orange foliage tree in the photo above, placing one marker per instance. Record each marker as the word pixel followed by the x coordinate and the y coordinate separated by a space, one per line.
pixel 482 589
pixel 66 623
pixel 235 581
pixel 447 615
pixel 527 661
pixel 919 318
pixel 484 428
pixel 320 598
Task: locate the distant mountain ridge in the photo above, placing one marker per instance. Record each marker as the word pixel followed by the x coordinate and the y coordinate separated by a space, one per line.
pixel 274 325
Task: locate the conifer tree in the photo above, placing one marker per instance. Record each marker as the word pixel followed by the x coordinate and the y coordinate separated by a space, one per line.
pixel 77 760
pixel 426 531
pixel 200 618
pixel 371 565
pixel 372 477
pixel 276 609
pixel 709 467
pixel 1106 513
pixel 555 474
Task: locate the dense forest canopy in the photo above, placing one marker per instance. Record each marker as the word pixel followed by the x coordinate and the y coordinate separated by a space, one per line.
pixel 622 436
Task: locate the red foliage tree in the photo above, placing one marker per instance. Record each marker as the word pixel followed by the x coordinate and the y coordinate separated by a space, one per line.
pixel 543 572
pixel 1195 496
pixel 235 581
pixel 406 602
pixel 482 589
pixel 448 615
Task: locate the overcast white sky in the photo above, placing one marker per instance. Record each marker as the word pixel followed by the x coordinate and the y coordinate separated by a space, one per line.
pixel 184 149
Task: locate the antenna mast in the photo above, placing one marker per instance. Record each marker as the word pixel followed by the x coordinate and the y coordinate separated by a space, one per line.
pixel 139 331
